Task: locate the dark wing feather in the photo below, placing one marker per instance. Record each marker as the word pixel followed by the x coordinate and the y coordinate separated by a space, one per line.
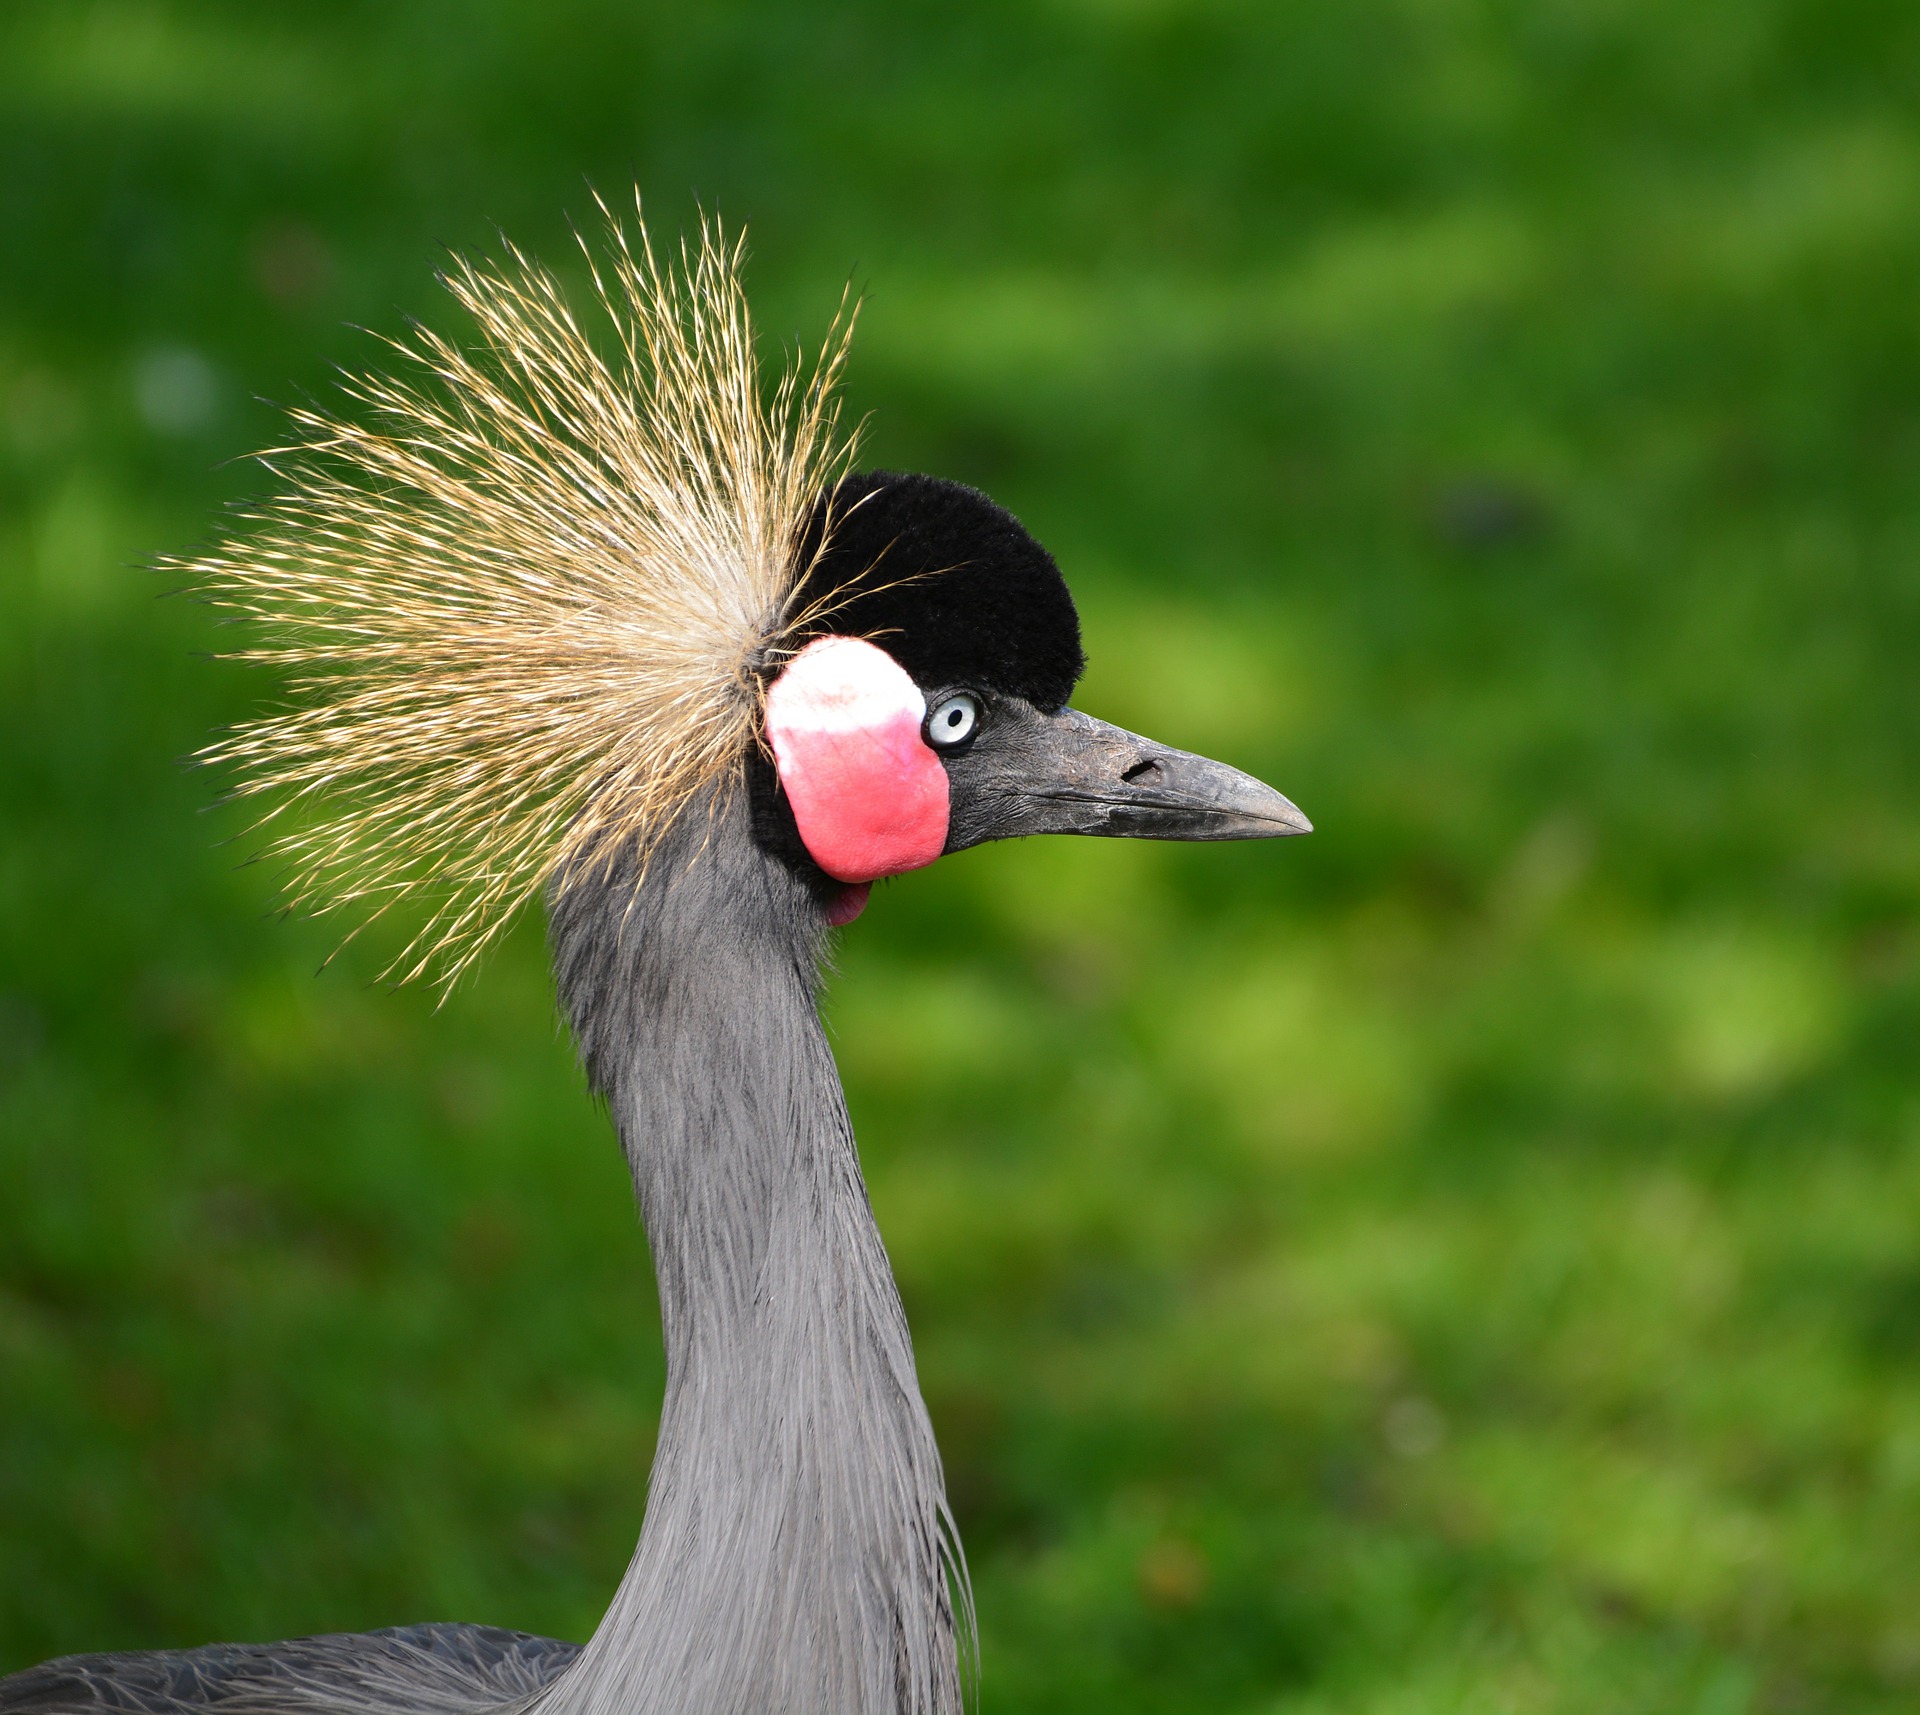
pixel 407 1670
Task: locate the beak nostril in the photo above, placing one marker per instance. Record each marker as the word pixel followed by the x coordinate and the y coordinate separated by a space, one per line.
pixel 1142 768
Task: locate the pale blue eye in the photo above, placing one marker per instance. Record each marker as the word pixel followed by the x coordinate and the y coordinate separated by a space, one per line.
pixel 952 721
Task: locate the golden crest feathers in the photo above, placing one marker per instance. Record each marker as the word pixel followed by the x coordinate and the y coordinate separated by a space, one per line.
pixel 519 607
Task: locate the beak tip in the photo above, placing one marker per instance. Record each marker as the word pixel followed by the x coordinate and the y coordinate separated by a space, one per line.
pixel 1292 819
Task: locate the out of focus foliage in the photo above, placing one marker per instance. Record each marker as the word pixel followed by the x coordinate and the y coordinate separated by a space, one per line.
pixel 1468 1260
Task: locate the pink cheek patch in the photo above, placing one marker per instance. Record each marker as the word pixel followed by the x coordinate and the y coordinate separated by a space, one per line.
pixel 869 797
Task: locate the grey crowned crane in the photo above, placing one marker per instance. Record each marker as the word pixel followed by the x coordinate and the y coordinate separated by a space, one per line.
pixel 625 632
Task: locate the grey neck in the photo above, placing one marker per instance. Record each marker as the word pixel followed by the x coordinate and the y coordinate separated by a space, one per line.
pixel 797 1549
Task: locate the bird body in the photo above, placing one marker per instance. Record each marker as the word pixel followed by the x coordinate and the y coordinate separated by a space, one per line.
pixel 878 675
pixel 427 1670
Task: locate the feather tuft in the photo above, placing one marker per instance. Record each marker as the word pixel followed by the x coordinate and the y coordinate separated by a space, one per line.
pixel 523 606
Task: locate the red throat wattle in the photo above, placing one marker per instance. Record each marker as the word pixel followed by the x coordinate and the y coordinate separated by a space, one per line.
pixel 868 795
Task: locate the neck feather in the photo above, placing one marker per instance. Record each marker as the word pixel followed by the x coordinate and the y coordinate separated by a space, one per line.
pixel 797 1551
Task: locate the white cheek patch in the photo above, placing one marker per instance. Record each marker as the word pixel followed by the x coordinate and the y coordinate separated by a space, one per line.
pixel 868 796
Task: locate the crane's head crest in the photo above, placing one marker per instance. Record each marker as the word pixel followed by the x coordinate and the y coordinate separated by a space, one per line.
pixel 524 600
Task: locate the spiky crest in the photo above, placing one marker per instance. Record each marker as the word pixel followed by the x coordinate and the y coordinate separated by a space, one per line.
pixel 520 609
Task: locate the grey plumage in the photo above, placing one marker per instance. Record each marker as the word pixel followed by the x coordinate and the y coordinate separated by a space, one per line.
pixel 797 1552
pixel 434 1670
pixel 798 1557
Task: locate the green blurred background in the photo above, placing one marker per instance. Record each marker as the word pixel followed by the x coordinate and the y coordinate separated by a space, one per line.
pixel 1465 1261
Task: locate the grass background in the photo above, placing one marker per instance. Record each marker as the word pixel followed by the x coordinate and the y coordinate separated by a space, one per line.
pixel 1468 1260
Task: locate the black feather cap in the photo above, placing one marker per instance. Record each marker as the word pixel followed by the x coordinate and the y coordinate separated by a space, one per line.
pixel 950 584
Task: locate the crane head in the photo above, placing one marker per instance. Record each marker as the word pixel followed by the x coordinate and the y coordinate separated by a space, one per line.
pixel 929 711
pixel 536 602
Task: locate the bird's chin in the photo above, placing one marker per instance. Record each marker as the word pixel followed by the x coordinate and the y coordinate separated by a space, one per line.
pixel 847 902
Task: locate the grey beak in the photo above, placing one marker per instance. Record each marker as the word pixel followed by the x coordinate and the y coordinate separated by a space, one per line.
pixel 1068 773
